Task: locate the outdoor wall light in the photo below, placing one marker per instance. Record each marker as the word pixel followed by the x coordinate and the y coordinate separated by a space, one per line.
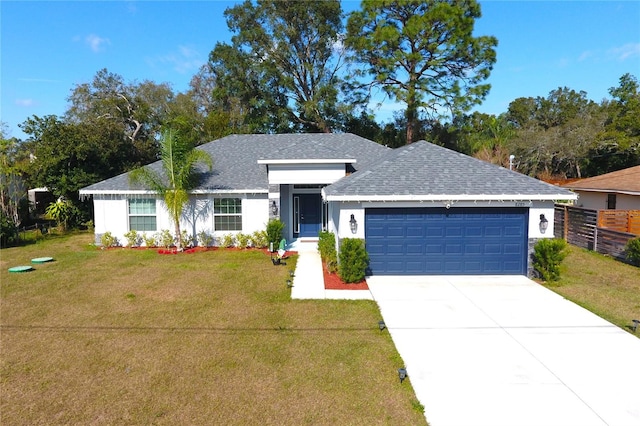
pixel 353 224
pixel 402 374
pixel 544 224
pixel 381 325
pixel 274 208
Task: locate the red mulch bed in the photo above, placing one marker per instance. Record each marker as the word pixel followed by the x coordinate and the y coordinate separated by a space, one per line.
pixel 186 251
pixel 333 282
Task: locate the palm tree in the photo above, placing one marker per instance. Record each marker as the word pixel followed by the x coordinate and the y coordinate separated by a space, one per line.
pixel 179 160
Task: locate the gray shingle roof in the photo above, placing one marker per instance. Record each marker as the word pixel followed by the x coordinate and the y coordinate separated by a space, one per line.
pixel 236 158
pixel 426 171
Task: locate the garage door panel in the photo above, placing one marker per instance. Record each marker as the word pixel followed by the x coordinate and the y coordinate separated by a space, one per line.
pixel 493 249
pixel 493 231
pixel 470 249
pixel 434 231
pixel 440 241
pixel 413 249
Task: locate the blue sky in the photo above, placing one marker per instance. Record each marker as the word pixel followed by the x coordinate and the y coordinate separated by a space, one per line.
pixel 46 48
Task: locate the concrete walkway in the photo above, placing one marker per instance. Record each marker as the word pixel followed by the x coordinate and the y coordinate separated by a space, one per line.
pixel 308 282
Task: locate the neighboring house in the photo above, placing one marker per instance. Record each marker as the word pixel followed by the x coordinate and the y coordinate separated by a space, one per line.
pixel 618 190
pixel 421 209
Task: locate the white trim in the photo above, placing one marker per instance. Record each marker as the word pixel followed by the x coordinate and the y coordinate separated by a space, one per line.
pixel 458 197
pixel 607 191
pixel 197 191
pixel 309 161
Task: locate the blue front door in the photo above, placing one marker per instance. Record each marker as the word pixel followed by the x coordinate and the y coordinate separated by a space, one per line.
pixel 310 215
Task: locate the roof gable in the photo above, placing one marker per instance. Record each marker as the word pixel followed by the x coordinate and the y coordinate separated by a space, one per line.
pixel 424 171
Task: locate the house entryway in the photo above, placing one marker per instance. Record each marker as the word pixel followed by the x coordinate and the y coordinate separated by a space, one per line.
pixel 307 215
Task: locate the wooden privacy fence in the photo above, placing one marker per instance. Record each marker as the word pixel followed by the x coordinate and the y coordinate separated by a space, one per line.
pixel 620 220
pixel 581 227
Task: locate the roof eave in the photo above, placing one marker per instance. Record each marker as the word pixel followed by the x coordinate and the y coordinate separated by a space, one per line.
pixel 310 161
pixel 196 191
pixel 453 197
pixel 617 191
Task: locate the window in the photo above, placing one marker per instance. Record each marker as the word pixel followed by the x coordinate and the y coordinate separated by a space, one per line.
pixel 142 214
pixel 611 201
pixel 227 214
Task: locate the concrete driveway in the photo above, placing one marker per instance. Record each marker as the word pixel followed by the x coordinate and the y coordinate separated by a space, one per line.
pixel 506 351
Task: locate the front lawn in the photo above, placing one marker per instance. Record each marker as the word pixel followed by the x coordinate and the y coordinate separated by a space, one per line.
pixel 133 337
pixel 606 287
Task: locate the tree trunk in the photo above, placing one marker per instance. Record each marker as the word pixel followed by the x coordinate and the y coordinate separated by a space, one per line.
pixel 411 114
pixel 178 235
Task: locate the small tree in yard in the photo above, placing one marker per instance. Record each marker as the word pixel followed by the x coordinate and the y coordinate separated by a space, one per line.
pixel 179 159
pixel 353 260
pixel 632 251
pixel 548 254
pixel 274 232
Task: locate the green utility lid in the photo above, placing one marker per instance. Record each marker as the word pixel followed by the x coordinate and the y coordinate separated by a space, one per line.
pixel 20 268
pixel 41 259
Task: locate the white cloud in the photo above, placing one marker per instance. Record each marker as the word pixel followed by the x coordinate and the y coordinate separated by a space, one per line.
pixel 184 60
pixel 96 43
pixel 25 103
pixel 586 55
pixel 627 51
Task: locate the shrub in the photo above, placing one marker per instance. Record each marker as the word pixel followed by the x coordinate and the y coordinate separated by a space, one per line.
pixel 548 254
pixel 353 260
pixel 632 251
pixel 259 239
pixel 149 240
pixel 228 240
pixel 205 239
pixel 165 238
pixel 133 238
pixel 108 240
pixel 243 240
pixel 327 249
pixel 64 213
pixel 274 232
pixel 8 231
pixel 187 240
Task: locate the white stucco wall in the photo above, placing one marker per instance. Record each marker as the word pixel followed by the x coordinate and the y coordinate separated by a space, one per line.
pixel 598 201
pixel 301 174
pixel 111 215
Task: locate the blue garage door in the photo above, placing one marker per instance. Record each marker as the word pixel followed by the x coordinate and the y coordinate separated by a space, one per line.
pixel 437 241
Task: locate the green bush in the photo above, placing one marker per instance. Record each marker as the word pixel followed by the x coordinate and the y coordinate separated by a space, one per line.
pixel 327 249
pixel 259 239
pixel 243 240
pixel 274 232
pixel 187 240
pixel 205 239
pixel 165 238
pixel 228 240
pixel 632 251
pixel 548 254
pixel 353 260
pixel 108 240
pixel 133 238
pixel 8 231
pixel 149 240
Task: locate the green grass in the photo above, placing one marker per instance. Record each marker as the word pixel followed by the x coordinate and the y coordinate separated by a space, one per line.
pixel 606 287
pixel 133 337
